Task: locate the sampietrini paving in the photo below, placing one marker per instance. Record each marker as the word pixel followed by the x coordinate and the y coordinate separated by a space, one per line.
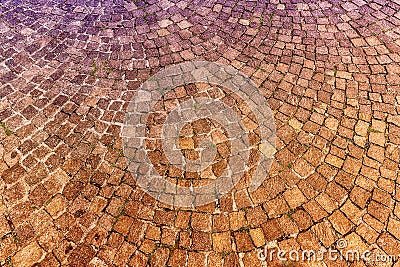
pixel 329 71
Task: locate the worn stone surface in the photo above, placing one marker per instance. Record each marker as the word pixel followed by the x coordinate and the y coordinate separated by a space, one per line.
pixel 328 69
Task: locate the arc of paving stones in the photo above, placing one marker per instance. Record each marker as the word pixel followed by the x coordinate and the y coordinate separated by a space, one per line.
pixel 145 100
pixel 375 201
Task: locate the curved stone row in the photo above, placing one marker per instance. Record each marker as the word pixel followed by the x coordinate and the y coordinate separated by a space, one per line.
pixel 68 69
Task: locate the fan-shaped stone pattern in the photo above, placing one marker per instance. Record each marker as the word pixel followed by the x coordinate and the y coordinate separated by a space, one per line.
pixel 329 69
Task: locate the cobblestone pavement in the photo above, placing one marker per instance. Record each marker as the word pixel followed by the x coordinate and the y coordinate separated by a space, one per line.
pixel 328 69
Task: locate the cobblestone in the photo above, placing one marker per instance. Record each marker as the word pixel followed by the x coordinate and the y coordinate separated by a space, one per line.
pixel 68 69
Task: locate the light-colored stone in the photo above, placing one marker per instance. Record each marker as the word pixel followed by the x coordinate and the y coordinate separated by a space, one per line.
pixel 56 206
pixel 331 123
pixel 267 149
pixel 163 32
pixel 378 125
pixel 377 138
pixel 295 124
pixel 394 227
pixel 257 236
pixel 333 160
pixel 395 119
pixel 280 7
pixel 354 242
pixel 344 74
pixel 362 128
pixel 184 24
pixel 186 143
pixel 164 23
pixel 28 256
pixel 221 242
pixel 237 220
pixel 244 22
